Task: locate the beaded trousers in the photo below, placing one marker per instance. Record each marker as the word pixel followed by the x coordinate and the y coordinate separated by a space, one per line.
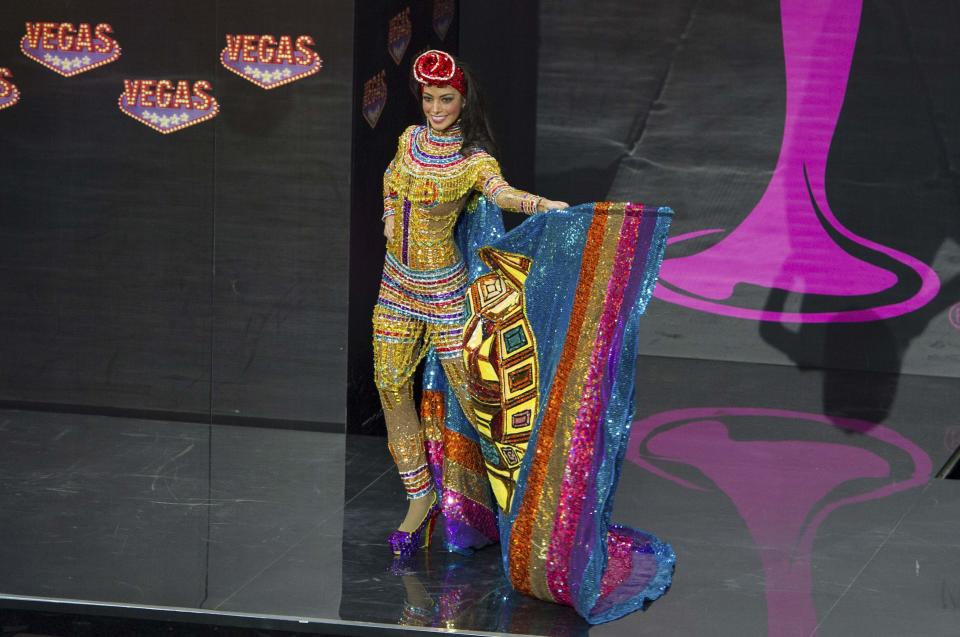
pixel 416 310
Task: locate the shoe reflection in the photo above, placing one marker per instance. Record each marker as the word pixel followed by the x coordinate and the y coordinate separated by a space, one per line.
pixel 443 590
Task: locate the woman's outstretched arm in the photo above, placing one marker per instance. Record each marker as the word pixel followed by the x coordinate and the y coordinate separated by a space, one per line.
pixel 491 183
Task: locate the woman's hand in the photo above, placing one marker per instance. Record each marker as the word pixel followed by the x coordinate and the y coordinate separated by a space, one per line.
pixel 388 227
pixel 547 204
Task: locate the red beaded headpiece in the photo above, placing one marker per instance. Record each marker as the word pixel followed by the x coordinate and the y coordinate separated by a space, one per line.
pixel 437 68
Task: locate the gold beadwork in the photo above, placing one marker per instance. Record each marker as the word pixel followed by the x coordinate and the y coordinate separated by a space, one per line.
pixel 426 185
pixel 391 398
pixel 407 450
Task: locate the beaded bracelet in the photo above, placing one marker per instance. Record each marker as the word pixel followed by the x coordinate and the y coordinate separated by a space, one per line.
pixel 530 204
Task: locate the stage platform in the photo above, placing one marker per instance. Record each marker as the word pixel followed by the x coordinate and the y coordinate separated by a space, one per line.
pixel 798 502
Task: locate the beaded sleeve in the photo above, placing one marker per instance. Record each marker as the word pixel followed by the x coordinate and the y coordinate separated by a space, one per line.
pixel 491 183
pixel 390 195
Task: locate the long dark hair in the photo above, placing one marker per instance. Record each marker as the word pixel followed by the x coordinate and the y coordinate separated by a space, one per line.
pixel 477 132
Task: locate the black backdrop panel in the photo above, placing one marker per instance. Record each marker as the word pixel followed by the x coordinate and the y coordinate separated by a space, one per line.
pixel 282 222
pixel 601 66
pixel 499 39
pixel 183 274
pixel 105 235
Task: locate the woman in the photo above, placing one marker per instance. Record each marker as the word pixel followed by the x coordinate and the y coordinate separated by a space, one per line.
pixel 527 425
pixel 420 305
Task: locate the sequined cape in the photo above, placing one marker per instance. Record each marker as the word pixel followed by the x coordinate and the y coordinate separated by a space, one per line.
pixel 594 267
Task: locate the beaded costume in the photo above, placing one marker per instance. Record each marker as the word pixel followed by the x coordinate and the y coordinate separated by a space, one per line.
pixel 530 338
pixel 421 299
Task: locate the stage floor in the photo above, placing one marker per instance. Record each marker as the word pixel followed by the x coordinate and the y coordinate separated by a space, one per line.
pixel 798 502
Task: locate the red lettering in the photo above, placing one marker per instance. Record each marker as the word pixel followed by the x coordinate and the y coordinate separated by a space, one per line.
pixel 84 40
pixel 233 47
pixel 249 48
pixel 146 93
pixel 266 49
pixel 285 51
pixel 307 55
pixel 65 36
pixel 33 34
pixel 131 91
pixel 104 43
pixel 48 36
pixel 200 88
pixel 182 97
pixel 164 93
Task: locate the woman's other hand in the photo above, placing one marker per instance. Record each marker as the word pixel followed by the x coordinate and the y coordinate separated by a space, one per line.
pixel 388 227
pixel 549 204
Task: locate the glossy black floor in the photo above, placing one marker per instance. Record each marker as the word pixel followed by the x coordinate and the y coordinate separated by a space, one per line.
pixel 788 518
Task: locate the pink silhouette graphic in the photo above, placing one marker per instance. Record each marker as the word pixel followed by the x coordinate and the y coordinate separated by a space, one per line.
pixel 781 488
pixel 783 244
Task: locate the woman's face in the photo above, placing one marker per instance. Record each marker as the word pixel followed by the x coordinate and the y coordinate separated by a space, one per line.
pixel 442 106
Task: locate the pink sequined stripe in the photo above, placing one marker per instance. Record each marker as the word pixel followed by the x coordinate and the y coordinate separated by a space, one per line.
pixel 459 507
pixel 619 562
pixel 580 458
pixel 435 459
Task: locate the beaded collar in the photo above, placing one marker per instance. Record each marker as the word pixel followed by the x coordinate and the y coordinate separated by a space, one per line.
pixel 453 133
pixel 432 169
pixel 436 149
